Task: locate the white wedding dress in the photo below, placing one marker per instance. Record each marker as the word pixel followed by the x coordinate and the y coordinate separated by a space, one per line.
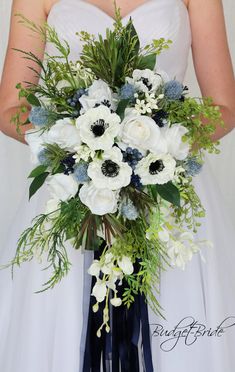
pixel 45 332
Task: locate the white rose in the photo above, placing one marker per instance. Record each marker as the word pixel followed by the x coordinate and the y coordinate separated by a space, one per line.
pixel 99 291
pixel 98 93
pixel 141 132
pixel 173 136
pixel 156 169
pixel 98 128
pixel 99 201
pixel 65 134
pixel 110 172
pixel 126 265
pixel 35 139
pixel 62 187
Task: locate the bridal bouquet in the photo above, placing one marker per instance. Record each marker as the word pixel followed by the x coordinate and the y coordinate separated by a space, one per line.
pixel 117 142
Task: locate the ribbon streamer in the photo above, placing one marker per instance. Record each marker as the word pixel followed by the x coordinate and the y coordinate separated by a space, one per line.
pixel 118 350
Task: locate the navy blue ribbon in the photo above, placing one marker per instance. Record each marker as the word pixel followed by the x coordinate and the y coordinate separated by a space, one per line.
pixel 118 349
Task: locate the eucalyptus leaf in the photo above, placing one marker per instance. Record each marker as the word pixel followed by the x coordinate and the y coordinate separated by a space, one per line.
pixel 37 183
pixel 33 100
pixel 169 192
pixel 121 107
pixel 37 171
pixel 148 61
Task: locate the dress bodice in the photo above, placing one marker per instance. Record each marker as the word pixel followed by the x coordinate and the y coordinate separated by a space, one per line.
pixel 152 20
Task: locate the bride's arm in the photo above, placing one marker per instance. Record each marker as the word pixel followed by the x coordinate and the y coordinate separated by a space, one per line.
pixel 212 59
pixel 15 67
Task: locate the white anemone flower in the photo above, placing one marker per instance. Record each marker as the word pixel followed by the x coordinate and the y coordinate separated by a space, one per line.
pixel 156 169
pixel 145 80
pixel 98 127
pixel 110 172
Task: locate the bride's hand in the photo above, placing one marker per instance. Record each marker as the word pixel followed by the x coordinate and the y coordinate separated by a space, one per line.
pixel 16 68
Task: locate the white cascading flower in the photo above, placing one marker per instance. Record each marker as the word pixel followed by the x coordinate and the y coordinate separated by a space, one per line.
pixel 61 186
pixel 98 128
pixel 99 290
pixel 156 169
pixel 173 135
pixel 110 172
pixel 126 265
pixel 98 93
pixel 99 201
pixel 65 134
pixel 141 132
pixel 145 80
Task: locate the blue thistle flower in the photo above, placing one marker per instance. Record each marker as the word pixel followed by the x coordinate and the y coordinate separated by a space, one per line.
pixel 42 157
pixel 39 116
pixel 173 89
pixel 80 173
pixel 129 211
pixel 127 91
pixel 192 166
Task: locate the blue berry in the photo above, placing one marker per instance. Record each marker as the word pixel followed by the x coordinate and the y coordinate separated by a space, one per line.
pixel 127 91
pixel 135 181
pixel 68 164
pixel 132 156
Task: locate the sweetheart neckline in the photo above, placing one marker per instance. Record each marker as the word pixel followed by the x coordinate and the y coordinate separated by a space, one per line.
pixel 101 11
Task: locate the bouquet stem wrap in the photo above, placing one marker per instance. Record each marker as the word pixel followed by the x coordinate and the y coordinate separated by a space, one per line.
pixel 118 350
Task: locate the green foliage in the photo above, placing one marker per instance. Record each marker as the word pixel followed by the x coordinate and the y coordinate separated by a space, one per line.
pixel 54 155
pixel 150 257
pixel 192 114
pixel 116 56
pixel 191 209
pixel 37 182
pixel 47 237
pixel 169 192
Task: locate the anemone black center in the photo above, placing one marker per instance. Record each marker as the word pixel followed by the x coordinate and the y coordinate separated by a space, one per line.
pixel 146 82
pixel 110 169
pixel 99 127
pixel 156 167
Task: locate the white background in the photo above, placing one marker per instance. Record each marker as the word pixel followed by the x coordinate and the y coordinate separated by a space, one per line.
pixel 14 157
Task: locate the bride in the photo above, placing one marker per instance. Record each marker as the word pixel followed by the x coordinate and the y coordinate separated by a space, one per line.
pixel 45 332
